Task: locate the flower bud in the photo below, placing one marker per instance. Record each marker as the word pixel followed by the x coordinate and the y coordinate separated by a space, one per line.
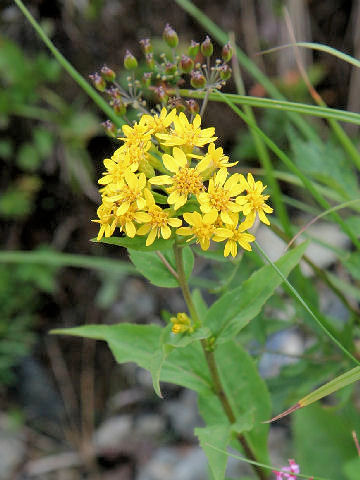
pixel 107 74
pixel 145 167
pixel 207 47
pixel 170 68
pixel 193 50
pixel 170 36
pixel 192 106
pixel 146 80
pixel 119 106
pixel 225 72
pixel 98 82
pixel 197 79
pixel 130 62
pixel 161 94
pixel 227 52
pixel 186 64
pixel 149 58
pixel 176 102
pixel 146 46
pixel 113 92
pixel 110 128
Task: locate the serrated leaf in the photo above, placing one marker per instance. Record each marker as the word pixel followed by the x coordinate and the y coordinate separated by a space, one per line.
pixel 234 310
pixel 137 243
pixel 150 265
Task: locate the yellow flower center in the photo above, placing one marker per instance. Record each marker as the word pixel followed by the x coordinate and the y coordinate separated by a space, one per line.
pixel 255 199
pixel 159 218
pixel 187 181
pixel 203 231
pixel 219 198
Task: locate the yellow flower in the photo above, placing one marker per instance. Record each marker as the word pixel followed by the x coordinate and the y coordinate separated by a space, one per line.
pixel 219 196
pixel 181 323
pixel 185 182
pixel 139 135
pixel 156 220
pixel 159 123
pixel 254 201
pixel 234 235
pixel 187 134
pixel 126 221
pixel 107 221
pixel 125 194
pixel 215 158
pixel 116 167
pixel 201 227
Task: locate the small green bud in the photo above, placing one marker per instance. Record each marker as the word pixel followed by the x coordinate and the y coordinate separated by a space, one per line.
pixel 186 64
pixel 161 94
pixel 146 46
pixel 197 79
pixel 227 52
pixel 225 72
pixel 170 68
pixel 146 80
pixel 170 36
pixel 193 50
pixel 109 128
pixel 192 106
pixel 207 47
pixel 98 82
pixel 107 74
pixel 150 60
pixel 119 106
pixel 130 62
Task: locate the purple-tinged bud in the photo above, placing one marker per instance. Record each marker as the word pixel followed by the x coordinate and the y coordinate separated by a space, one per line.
pixel 227 52
pixel 170 36
pixel 225 72
pixel 170 68
pixel 161 94
pixel 150 62
pixel 146 80
pixel 130 62
pixel 197 79
pixel 192 106
pixel 186 64
pixel 110 128
pixel 98 82
pixel 146 46
pixel 193 50
pixel 113 92
pixel 207 47
pixel 175 102
pixel 107 74
pixel 119 106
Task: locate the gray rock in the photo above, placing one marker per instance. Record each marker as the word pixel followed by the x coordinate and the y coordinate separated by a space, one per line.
pixel 12 448
pixel 113 432
pixel 183 415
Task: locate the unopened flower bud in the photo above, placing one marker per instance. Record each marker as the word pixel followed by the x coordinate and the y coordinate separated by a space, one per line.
pixel 176 102
pixel 192 106
pixel 186 64
pixel 149 58
pixel 225 72
pixel 227 52
pixel 146 46
pixel 161 94
pixel 118 106
pixel 207 47
pixel 193 50
pixel 98 82
pixel 130 62
pixel 170 36
pixel 197 79
pixel 113 92
pixel 107 74
pixel 170 68
pixel 146 80
pixel 110 128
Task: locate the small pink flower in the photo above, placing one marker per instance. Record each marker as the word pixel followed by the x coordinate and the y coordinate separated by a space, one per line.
pixel 287 473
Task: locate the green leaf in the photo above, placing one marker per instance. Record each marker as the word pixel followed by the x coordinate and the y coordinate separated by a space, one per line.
pixel 140 343
pixel 234 310
pixel 353 223
pixel 28 158
pixel 219 436
pixel 352 469
pixel 151 266
pixel 352 263
pixel 323 441
pixel 137 243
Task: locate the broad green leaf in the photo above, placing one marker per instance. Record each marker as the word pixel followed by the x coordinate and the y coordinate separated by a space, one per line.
pixel 141 343
pixel 151 266
pixel 137 243
pixel 323 442
pixel 247 394
pixel 219 436
pixel 199 302
pixel 352 469
pixel 234 310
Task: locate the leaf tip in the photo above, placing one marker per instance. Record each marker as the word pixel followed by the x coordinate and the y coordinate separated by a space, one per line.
pixel 285 413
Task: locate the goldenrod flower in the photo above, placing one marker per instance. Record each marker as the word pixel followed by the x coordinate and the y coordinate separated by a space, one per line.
pixel 215 158
pixel 116 167
pixel 201 227
pixel 107 221
pixel 159 123
pixel 185 182
pixel 129 192
pixel 181 323
pixel 219 196
pixel 254 201
pixel 187 134
pixel 126 221
pixel 139 135
pixel 156 220
pixel 234 235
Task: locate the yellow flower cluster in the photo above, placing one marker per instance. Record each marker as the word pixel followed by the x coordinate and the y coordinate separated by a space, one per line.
pixel 162 162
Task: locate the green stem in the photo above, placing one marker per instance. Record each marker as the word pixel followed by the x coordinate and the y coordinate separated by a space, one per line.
pixel 211 361
pixel 79 79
